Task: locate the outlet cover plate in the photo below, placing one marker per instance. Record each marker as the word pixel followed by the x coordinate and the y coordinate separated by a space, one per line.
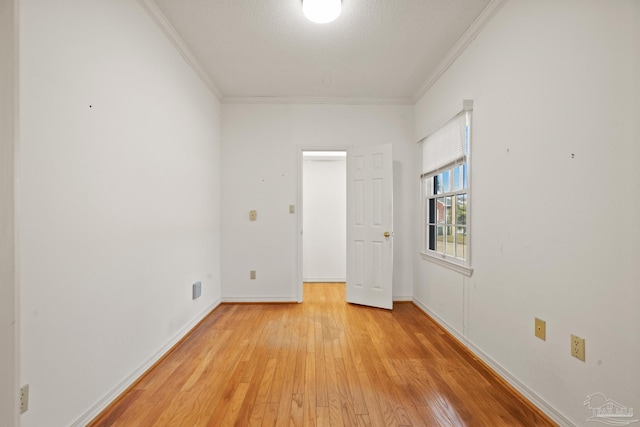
pixel 577 347
pixel 24 398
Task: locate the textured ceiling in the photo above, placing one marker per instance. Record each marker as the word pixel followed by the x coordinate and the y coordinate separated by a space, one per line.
pixel 267 48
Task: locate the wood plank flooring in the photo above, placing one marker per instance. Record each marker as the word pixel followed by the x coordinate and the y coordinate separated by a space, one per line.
pixel 323 362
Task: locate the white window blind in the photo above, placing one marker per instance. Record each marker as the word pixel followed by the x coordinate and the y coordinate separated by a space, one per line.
pixel 446 146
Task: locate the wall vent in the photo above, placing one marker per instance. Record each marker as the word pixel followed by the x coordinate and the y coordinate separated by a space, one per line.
pixel 197 290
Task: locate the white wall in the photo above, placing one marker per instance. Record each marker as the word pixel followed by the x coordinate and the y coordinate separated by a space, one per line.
pixel 119 202
pixel 555 199
pixel 8 286
pixel 260 163
pixel 325 220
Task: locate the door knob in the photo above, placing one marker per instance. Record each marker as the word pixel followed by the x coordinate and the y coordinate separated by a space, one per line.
pixel 387 234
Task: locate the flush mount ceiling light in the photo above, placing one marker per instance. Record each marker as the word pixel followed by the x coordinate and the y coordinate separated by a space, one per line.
pixel 321 11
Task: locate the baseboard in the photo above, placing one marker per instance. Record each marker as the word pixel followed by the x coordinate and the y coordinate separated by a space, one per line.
pixel 498 369
pixel 398 298
pixel 96 409
pixel 317 280
pixel 259 299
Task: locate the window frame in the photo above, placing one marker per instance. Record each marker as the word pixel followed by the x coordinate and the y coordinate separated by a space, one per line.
pixel 442 258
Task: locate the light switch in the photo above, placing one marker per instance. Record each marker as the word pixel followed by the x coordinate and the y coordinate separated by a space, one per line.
pixel 253 215
pixel 292 209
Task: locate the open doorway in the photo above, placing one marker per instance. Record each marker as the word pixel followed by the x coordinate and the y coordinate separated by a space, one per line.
pixel 369 224
pixel 324 217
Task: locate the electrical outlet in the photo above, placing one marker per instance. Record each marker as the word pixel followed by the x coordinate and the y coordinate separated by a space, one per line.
pixel 577 347
pixel 24 398
pixel 541 329
pixel 252 275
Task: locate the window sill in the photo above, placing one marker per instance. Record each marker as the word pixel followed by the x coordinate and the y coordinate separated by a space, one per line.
pixel 467 271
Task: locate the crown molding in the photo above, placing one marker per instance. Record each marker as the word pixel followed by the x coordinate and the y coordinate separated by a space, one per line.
pixel 461 45
pixel 170 32
pixel 465 40
pixel 316 100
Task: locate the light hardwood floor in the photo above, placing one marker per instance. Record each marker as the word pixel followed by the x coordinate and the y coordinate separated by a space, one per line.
pixel 323 362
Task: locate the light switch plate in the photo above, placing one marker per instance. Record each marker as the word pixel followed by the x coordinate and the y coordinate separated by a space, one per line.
pixel 541 329
pixel 253 215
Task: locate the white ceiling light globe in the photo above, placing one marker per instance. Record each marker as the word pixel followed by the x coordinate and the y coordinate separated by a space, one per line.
pixel 321 11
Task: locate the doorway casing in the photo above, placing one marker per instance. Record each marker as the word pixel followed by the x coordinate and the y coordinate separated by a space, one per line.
pixel 300 213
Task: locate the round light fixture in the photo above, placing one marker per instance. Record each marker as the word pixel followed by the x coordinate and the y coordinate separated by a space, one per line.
pixel 321 11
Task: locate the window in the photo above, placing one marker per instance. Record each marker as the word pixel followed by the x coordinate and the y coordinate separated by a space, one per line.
pixel 445 192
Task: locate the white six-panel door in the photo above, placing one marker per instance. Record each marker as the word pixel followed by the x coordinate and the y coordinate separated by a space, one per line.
pixel 370 226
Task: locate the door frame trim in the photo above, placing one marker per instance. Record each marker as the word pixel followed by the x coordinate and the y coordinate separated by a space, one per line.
pixel 299 211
